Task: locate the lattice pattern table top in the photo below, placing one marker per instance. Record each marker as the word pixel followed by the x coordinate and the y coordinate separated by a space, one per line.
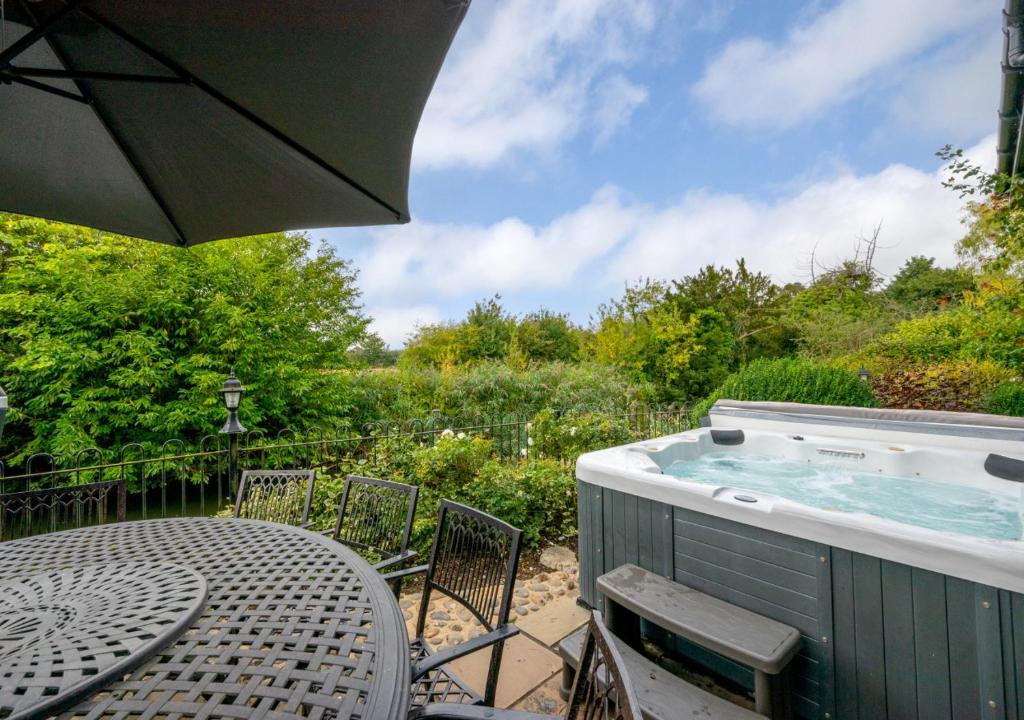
pixel 294 624
pixel 64 633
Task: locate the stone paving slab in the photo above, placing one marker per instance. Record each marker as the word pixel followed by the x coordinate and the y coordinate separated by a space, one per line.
pixel 554 621
pixel 525 664
pixel 544 607
pixel 545 699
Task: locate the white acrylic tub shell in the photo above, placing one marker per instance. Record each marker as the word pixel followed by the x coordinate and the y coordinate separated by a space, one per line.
pixel 636 469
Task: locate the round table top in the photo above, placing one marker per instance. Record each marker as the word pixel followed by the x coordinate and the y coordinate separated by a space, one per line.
pixel 65 633
pixel 294 624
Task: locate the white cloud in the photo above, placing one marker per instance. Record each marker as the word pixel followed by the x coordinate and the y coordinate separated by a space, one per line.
pixel 521 77
pixel 617 99
pixel 754 82
pixel 955 93
pixel 611 240
pixel 428 260
pixel 394 324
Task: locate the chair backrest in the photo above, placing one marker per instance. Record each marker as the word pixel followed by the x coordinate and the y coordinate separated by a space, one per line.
pixel 602 689
pixel 281 496
pixel 33 512
pixel 473 561
pixel 376 515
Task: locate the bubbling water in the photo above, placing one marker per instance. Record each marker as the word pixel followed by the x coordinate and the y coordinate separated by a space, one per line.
pixel 913 501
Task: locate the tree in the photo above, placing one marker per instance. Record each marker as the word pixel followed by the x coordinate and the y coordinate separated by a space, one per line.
pixel 487 331
pixel 995 223
pixel 919 286
pixel 546 336
pixel 685 354
pixel 437 346
pixel 751 302
pixel 108 340
pixel 373 352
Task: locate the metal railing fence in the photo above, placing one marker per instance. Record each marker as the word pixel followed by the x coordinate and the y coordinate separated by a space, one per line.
pixel 177 478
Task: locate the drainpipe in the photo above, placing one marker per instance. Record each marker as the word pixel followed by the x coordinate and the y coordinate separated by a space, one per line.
pixel 1011 112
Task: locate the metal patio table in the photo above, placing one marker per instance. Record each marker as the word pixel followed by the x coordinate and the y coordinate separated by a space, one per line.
pixel 199 617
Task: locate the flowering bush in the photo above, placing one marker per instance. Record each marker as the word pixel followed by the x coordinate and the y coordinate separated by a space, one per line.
pixel 566 436
pixel 452 462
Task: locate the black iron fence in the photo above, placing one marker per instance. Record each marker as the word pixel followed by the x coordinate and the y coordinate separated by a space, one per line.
pixel 50 492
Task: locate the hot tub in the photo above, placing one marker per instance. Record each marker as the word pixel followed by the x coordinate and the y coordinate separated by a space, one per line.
pixel 891 539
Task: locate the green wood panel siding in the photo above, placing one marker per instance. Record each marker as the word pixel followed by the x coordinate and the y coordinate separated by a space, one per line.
pixel 617 528
pixel 771 574
pixel 898 626
pixel 989 654
pixel 825 642
pixel 963 678
pixel 931 644
pixel 844 637
pixel 910 643
pixel 880 639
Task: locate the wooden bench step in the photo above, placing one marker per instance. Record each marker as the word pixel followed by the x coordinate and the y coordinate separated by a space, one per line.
pixel 743 636
pixel 662 695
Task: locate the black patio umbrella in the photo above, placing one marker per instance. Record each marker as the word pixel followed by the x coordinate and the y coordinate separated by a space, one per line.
pixel 183 121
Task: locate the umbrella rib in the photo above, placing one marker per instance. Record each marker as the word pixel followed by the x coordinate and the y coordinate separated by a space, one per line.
pixel 237 108
pixel 28 82
pixel 128 155
pixel 40 31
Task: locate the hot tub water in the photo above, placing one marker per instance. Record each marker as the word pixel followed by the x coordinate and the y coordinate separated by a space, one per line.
pixel 842 486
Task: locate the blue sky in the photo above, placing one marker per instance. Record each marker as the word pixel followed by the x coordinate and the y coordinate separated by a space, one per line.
pixel 573 146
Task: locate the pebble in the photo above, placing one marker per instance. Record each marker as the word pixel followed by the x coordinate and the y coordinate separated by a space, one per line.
pixel 522 593
pixel 430 632
pixel 465 615
pixel 539 587
pixel 454 639
pixel 405 604
pixel 520 610
pixel 440 615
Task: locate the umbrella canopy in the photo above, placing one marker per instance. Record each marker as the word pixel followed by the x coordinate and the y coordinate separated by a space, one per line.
pixel 193 120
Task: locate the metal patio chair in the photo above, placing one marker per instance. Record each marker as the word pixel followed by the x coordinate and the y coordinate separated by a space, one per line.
pixel 376 516
pixel 281 496
pixel 602 692
pixel 473 561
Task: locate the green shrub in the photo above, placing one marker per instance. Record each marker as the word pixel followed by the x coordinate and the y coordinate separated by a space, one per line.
pixel 957 386
pixel 538 497
pixel 1006 399
pixel 489 389
pixel 566 436
pixel 452 463
pixel 791 380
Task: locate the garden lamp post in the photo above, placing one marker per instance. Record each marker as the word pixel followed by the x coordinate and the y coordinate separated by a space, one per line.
pixel 863 372
pixel 231 392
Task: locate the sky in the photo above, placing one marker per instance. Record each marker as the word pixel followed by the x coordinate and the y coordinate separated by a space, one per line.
pixel 572 147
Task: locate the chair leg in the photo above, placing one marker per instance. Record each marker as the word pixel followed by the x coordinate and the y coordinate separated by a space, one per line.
pixel 493 672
